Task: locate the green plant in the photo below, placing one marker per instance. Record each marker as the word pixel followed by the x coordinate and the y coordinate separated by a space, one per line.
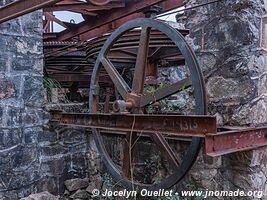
pixel 152 167
pixel 50 84
pixel 108 181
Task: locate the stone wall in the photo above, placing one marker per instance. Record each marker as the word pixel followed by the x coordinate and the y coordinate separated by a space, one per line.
pixel 21 101
pixel 33 156
pixel 226 37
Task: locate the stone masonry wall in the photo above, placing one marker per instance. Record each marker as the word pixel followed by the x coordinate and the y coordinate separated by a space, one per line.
pixel 226 37
pixel 33 156
pixel 21 101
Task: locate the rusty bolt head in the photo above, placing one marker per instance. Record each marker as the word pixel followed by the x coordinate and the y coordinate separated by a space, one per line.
pixel 120 106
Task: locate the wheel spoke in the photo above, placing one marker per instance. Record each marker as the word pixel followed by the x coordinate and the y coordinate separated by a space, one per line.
pixel 107 99
pixel 141 61
pixel 165 148
pixel 127 154
pixel 116 78
pixel 164 92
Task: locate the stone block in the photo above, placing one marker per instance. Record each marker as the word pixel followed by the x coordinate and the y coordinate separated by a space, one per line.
pixel 25 191
pixel 1 116
pixel 220 88
pixel 35 28
pixel 48 183
pixel 263 85
pixel 10 138
pixel 95 183
pixel 257 63
pixel 15 100
pixel 78 161
pixel 80 194
pixel 34 117
pixel 81 147
pixel 22 62
pixel 18 180
pixel 29 117
pixel 33 92
pixel 94 162
pixel 57 165
pixel 25 47
pixel 207 61
pixel 251 114
pixel 227 31
pixel 30 135
pixel 43 115
pixel 52 149
pixel 25 158
pixel 47 137
pixel 68 176
pixel 71 136
pixel 4 61
pixel 7 89
pixel 13 117
pixel 76 184
pixel 8 195
pixel 10 27
pixel 6 161
pixel 41 196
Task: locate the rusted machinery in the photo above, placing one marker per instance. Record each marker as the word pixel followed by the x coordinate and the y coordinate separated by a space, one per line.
pixel 127 97
pixel 141 46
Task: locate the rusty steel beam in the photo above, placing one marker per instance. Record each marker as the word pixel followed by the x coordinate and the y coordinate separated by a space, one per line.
pixel 235 140
pixel 70 77
pixel 217 142
pixel 67 2
pixel 52 18
pixel 76 78
pixel 166 6
pixel 82 6
pixel 21 7
pixel 170 5
pixel 130 8
pixel 176 125
pixel 107 28
pixel 49 36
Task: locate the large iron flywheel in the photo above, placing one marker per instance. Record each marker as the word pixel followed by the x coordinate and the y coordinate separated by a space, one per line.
pixel 140 91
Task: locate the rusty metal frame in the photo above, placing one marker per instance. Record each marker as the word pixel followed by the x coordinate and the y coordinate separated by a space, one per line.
pixel 130 8
pixel 173 125
pixel 106 19
pixel 235 140
pixel 78 7
pixel 87 29
pixel 218 141
pixel 20 7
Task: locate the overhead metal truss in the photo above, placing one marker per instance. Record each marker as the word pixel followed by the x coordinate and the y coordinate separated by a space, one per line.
pixel 99 17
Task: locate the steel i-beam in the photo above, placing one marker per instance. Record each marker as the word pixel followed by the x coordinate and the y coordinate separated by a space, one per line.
pixel 21 7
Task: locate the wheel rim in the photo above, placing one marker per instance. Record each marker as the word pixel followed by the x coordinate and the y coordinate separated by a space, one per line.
pixel 199 93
